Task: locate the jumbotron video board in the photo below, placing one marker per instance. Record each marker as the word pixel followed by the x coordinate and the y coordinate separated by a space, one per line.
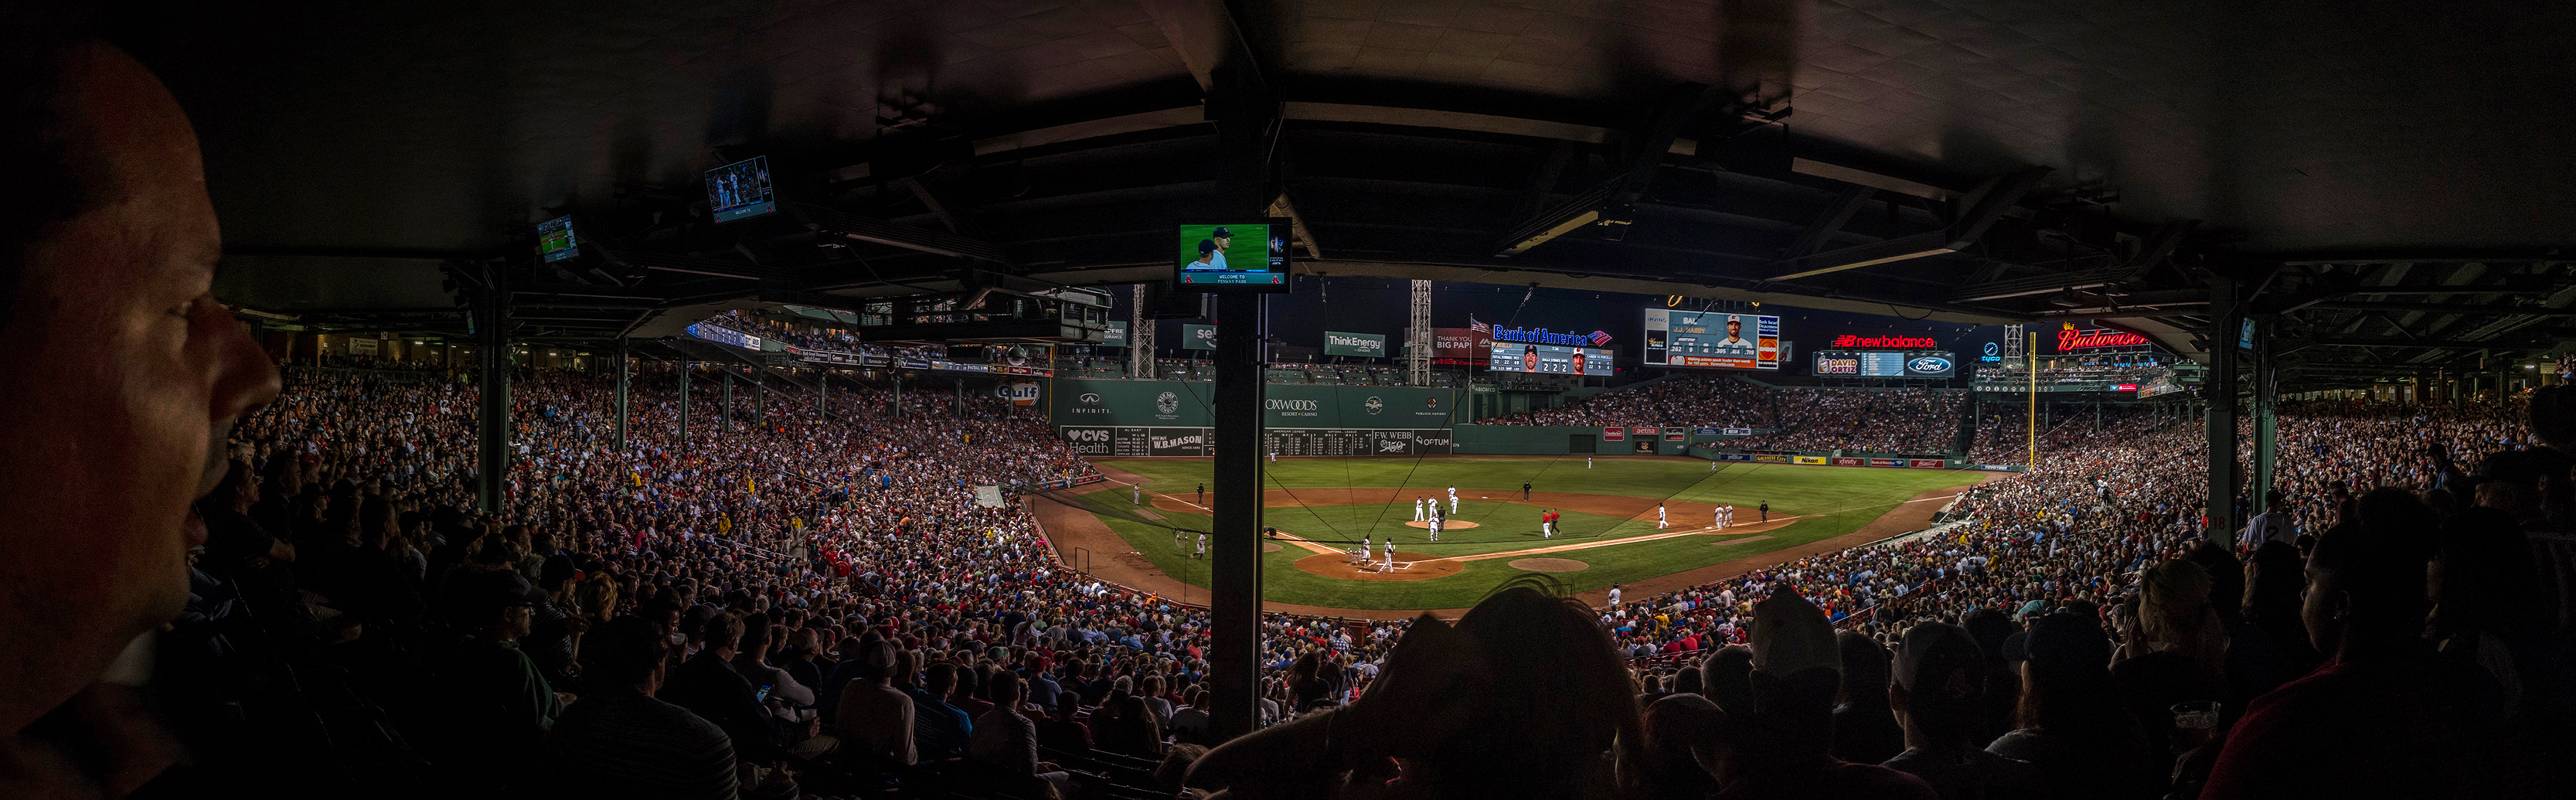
pixel 1711 339
pixel 1249 256
pixel 1549 359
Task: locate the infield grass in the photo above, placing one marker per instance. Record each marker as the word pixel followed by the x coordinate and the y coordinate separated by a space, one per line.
pixel 1835 501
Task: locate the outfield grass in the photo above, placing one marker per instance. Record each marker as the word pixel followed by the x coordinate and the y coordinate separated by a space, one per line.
pixel 1843 499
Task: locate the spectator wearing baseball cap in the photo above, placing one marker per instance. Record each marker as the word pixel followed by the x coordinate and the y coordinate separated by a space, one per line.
pixel 1783 747
pixel 1939 697
pixel 2072 725
pixel 496 706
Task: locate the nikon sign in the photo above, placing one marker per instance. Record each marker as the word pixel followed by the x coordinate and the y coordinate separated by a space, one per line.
pixel 1364 345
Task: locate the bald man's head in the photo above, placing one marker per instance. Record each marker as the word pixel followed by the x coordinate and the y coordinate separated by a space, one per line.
pixel 130 373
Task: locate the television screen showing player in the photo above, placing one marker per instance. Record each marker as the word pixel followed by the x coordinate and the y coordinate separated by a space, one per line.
pixel 1549 359
pixel 1232 256
pixel 1719 339
pixel 555 240
pixel 740 190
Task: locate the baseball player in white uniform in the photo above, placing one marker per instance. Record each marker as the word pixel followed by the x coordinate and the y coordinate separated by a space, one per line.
pixel 1659 517
pixel 1202 547
pixel 1390 552
pixel 1418 514
pixel 1453 499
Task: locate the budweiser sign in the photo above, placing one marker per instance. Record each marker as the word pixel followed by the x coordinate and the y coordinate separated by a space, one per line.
pixel 2070 340
pixel 1849 340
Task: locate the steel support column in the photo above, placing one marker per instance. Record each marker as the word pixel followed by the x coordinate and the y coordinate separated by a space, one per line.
pixel 1246 114
pixel 2220 393
pixel 684 404
pixel 2267 399
pixel 623 379
pixel 727 407
pixel 493 421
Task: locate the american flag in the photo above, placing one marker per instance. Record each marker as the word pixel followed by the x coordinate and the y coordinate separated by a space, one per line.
pixel 1479 327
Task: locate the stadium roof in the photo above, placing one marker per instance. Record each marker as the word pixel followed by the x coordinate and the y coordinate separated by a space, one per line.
pixel 2390 180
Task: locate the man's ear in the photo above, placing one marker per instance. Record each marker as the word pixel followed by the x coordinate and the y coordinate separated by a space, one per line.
pixel 1896 697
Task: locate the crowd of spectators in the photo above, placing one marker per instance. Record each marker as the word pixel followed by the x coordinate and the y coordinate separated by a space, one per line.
pixel 792 546
pixel 1790 418
pixel 1690 399
pixel 792 600
pixel 816 336
pixel 2099 644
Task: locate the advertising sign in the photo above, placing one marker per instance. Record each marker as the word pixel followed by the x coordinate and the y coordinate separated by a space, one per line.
pixel 1924 463
pixel 1365 345
pixel 1643 430
pixel 1548 359
pixel 1614 434
pixel 1116 336
pixel 1460 344
pixel 1806 459
pixel 2071 340
pixel 721 335
pixel 1198 337
pixel 1735 457
pixel 1886 462
pixel 1020 393
pixel 1856 342
pixel 1849 462
pixel 1931 365
pixel 1771 459
pixel 1736 431
pixel 1706 431
pixel 1714 339
pixel 1837 364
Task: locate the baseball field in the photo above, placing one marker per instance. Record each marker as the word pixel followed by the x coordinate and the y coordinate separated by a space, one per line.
pixel 1140 527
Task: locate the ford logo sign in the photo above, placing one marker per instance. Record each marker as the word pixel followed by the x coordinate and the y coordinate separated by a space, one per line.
pixel 1928 364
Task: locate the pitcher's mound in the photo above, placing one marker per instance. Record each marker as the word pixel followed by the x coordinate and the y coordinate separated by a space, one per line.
pixel 1547 564
pixel 1269 547
pixel 1423 567
pixel 1451 525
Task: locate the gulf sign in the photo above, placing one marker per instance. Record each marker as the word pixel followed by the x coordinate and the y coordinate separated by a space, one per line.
pixel 1020 393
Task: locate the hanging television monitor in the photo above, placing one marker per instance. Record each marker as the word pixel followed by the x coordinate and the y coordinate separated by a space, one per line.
pixel 741 190
pixel 1232 256
pixel 555 241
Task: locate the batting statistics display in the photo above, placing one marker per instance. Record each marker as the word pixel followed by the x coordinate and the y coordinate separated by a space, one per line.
pixel 1720 339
